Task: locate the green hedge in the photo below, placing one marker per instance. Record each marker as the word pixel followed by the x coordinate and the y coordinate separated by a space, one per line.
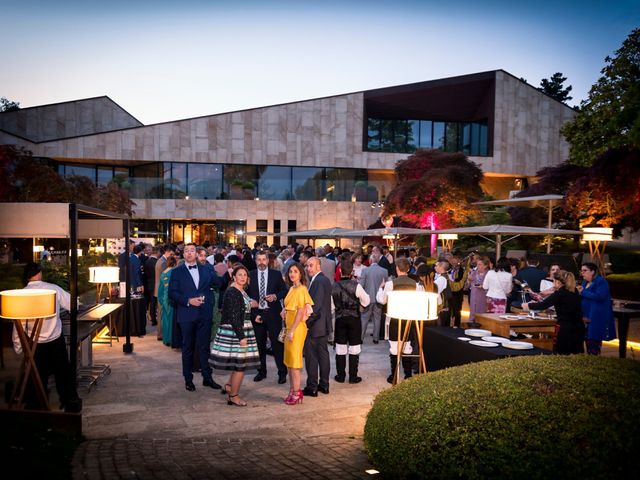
pixel 523 417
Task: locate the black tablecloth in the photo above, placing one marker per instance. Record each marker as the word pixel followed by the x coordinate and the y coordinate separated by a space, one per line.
pixel 138 317
pixel 442 349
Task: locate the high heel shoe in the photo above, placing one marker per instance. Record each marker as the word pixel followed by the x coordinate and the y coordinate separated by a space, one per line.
pixel 224 390
pixel 288 397
pixel 294 399
pixel 237 404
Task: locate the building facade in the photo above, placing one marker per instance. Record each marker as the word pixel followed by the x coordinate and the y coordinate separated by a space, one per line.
pixel 303 165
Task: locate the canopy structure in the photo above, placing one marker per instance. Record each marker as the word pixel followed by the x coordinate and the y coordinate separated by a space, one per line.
pixel 72 221
pixel 549 202
pixel 499 230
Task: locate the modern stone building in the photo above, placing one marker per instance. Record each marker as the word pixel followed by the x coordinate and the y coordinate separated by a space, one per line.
pixel 310 164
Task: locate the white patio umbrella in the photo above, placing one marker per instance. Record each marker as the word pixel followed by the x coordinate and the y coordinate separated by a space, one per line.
pixel 499 230
pixel 549 202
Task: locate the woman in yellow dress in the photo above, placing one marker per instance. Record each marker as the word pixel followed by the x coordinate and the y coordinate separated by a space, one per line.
pixel 297 308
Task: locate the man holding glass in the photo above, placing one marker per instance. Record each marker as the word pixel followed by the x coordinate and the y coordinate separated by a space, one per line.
pixel 190 288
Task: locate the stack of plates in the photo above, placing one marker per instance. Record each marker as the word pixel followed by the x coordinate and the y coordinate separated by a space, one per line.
pixel 482 343
pixel 518 345
pixel 499 340
pixel 477 332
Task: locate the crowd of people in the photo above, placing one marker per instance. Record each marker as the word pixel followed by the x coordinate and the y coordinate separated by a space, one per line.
pixel 227 308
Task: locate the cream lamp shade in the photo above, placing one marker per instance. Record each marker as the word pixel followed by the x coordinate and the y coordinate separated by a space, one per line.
pixel 99 249
pixel 448 236
pixel 38 248
pixel 104 274
pixel 412 305
pixel 28 303
pixel 597 234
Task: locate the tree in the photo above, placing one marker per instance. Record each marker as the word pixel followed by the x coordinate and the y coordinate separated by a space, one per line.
pixel 610 117
pixel 432 182
pixel 554 87
pixel 608 194
pixel 551 180
pixel 7 105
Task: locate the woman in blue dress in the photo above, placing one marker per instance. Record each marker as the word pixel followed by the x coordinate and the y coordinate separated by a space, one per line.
pixel 597 308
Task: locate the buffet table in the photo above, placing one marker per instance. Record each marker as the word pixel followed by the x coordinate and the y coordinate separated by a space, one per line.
pixel 442 349
pixel 138 318
pixel 541 328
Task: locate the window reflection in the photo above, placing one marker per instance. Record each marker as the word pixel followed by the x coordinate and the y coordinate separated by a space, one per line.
pixel 400 136
pixel 307 183
pixel 274 183
pixel 205 181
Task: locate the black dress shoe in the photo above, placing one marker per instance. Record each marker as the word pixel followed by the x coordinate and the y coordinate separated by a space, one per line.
pixel 282 379
pixel 259 377
pixel 324 390
pixel 309 392
pixel 190 386
pixel 355 380
pixel 375 342
pixel 339 379
pixel 211 384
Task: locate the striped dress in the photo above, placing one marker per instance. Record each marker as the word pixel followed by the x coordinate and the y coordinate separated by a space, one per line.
pixel 226 352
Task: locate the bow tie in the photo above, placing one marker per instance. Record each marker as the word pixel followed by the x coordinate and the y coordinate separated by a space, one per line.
pixel 192 266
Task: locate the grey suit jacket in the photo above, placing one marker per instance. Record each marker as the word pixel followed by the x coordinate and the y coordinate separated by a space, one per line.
pixel 371 279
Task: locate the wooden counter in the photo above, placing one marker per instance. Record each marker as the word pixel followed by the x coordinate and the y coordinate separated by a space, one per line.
pixel 541 328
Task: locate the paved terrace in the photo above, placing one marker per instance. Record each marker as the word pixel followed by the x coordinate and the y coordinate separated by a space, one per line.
pixel 140 422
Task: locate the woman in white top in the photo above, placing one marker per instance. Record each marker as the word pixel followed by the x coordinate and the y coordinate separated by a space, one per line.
pixel 498 284
pixel 356 259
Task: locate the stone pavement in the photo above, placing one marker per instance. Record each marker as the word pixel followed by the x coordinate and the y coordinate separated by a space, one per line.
pixel 140 422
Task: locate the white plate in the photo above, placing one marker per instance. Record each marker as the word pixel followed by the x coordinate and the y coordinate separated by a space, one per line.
pixel 477 332
pixel 513 317
pixel 500 340
pixel 464 339
pixel 518 345
pixel 482 343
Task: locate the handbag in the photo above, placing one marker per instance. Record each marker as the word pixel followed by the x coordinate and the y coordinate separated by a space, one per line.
pixel 283 334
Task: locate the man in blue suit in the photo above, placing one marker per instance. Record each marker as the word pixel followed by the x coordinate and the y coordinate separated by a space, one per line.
pixel 190 288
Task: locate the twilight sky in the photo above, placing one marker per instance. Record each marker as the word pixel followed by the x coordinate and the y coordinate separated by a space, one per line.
pixel 164 60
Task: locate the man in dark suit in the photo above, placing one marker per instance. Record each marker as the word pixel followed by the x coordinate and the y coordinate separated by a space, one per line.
pixel 267 289
pixel 316 351
pixel 190 288
pixel 135 270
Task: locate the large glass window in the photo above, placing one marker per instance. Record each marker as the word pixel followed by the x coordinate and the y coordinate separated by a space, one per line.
pixel 274 183
pixel 405 136
pixel 205 181
pixel 105 175
pixel 80 170
pixel 146 181
pixel 307 183
pixel 240 182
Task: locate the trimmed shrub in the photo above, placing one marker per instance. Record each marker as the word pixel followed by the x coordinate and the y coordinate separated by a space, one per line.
pixel 522 417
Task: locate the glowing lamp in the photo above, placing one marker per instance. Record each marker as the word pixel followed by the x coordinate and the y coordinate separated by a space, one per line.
pixel 38 248
pixel 387 221
pixel 597 234
pixel 411 307
pixel 448 236
pixel 102 276
pixel 27 304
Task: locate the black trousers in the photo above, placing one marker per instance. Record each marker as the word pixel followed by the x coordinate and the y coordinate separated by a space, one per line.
pixel 270 327
pixel 455 307
pixel 152 307
pixel 316 358
pixel 52 359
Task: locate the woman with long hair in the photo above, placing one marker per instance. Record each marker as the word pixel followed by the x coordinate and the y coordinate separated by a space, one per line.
pixel 477 294
pixel 235 347
pixel 566 301
pixel 170 336
pixel 297 308
pixel 498 284
pixel 597 308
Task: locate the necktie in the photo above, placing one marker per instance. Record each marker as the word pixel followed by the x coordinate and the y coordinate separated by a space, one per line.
pixel 263 290
pixel 192 266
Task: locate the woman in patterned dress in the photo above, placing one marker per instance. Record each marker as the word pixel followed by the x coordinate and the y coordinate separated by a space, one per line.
pixel 235 347
pixel 297 308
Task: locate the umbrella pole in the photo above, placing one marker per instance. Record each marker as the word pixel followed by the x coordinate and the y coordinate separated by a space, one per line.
pixel 498 246
pixel 550 214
